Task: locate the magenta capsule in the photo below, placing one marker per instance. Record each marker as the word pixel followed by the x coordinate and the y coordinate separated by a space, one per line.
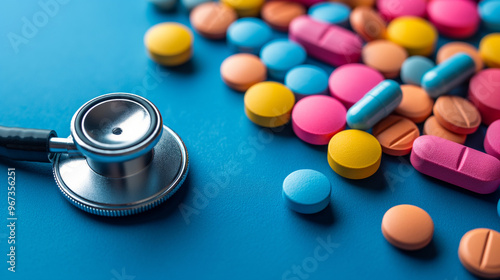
pixel 456 164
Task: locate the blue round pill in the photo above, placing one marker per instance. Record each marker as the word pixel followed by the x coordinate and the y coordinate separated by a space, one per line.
pixel 331 12
pixel 281 55
pixel 489 11
pixel 248 35
pixel 305 80
pixel 414 68
pixel 306 191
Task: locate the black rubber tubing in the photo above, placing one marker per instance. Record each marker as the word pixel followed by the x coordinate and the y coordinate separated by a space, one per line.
pixel 25 144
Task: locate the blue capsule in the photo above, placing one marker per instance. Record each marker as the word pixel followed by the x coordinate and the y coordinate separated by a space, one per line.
pixel 377 104
pixel 448 75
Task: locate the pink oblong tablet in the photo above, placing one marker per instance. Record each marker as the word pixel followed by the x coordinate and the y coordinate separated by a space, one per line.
pixel 329 43
pixel 391 9
pixel 454 18
pixel 349 83
pixel 492 139
pixel 315 119
pixel 456 164
pixel 484 93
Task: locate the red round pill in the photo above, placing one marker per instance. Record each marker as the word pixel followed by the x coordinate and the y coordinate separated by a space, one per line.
pixel 484 93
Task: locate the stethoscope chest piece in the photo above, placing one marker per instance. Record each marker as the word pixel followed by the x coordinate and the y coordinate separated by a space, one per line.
pixel 119 160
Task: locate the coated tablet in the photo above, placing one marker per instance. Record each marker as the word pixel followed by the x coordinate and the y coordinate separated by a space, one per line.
pixel 414 68
pixel 269 104
pixel 384 56
pixel 315 119
pixel 454 18
pixel 452 48
pixel 432 127
pixel 169 43
pixel 415 34
pixel 367 23
pixel 279 14
pixel 281 55
pixel 489 48
pixel 245 8
pixel 456 164
pixel 212 19
pixel 407 227
pixel 306 191
pixel 354 154
pixel 489 11
pixel 248 35
pixel 391 9
pixel 330 12
pixel 306 80
pixel 243 70
pixel 492 139
pixel 479 252
pixel 350 82
pixel 377 104
pixel 457 114
pixel 329 43
pixel 484 93
pixel 416 104
pixel 396 135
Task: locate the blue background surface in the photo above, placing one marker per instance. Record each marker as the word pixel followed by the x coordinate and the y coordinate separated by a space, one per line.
pixel 241 230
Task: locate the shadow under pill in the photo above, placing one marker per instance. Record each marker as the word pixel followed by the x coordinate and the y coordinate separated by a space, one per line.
pixel 427 253
pixel 324 217
pixel 376 182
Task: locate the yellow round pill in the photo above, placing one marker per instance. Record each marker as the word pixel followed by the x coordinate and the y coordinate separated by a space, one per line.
pixel 169 43
pixel 245 8
pixel 354 154
pixel 489 48
pixel 415 34
pixel 269 104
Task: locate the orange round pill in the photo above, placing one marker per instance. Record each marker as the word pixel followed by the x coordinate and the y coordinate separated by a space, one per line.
pixel 212 19
pixel 243 70
pixel 457 114
pixel 367 23
pixel 279 14
pixel 479 252
pixel 407 227
pixel 416 104
pixel 396 135
pixel 448 50
pixel 432 127
pixel 384 56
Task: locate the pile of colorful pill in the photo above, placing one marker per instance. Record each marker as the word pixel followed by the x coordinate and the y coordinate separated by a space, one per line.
pixel 383 85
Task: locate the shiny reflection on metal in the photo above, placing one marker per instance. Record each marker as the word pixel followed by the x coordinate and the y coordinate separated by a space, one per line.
pixel 123 196
pixel 62 145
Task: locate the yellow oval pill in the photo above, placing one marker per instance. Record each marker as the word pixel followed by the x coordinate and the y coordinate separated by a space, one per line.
pixel 169 43
pixel 354 154
pixel 415 34
pixel 489 48
pixel 269 104
pixel 245 8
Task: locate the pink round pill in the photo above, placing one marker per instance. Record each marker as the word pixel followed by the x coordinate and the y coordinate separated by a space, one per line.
pixel 484 93
pixel 315 119
pixel 391 9
pixel 350 82
pixel 454 18
pixel 492 139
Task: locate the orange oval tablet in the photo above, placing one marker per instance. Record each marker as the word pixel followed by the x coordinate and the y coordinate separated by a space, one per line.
pixel 279 14
pixel 367 23
pixel 243 70
pixel 396 135
pixel 479 252
pixel 357 3
pixel 384 56
pixel 432 127
pixel 457 114
pixel 448 50
pixel 407 227
pixel 416 104
pixel 211 19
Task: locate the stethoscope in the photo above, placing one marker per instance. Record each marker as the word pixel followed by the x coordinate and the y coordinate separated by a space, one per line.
pixel 119 160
